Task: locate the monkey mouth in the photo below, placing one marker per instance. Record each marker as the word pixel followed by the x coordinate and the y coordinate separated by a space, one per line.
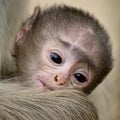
pixel 45 86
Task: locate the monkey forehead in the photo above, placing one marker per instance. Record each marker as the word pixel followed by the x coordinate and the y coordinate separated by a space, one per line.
pixel 78 36
pixel 75 34
pixel 84 42
pixel 81 37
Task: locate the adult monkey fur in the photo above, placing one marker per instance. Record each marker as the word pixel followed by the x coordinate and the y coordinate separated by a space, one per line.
pixel 17 103
pixel 51 101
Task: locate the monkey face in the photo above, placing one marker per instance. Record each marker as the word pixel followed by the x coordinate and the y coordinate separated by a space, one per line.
pixel 62 67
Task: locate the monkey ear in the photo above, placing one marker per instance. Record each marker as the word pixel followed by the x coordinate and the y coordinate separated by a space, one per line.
pixel 25 28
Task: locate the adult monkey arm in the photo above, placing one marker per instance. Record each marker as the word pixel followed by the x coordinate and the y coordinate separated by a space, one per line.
pixel 19 103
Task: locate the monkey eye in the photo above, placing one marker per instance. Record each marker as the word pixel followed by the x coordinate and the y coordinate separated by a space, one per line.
pixel 55 58
pixel 80 77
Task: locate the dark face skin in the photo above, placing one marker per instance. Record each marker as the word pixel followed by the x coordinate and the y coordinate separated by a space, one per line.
pixel 74 53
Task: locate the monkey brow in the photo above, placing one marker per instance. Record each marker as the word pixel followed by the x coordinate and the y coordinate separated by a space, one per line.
pixel 65 44
pixel 77 51
pixel 83 57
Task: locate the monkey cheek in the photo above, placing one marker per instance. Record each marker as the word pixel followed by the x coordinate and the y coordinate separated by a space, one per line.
pixel 39 84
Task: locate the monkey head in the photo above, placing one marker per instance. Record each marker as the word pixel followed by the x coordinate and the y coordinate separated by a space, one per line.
pixel 63 47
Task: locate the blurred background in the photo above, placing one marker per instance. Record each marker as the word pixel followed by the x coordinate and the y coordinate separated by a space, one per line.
pixel 107 11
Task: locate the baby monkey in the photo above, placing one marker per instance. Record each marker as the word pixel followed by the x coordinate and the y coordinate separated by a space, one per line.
pixel 62 47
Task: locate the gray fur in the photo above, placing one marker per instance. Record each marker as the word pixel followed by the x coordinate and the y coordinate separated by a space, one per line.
pixel 12 14
pixel 19 103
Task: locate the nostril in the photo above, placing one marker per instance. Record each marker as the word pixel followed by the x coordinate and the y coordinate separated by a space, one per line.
pixel 56 78
pixel 62 83
pixel 59 81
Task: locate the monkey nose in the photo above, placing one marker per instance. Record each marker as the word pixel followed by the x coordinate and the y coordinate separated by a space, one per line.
pixel 60 80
